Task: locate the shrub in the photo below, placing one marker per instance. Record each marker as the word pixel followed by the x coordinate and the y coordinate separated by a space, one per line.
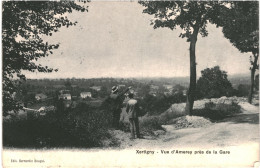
pixel 243 90
pixel 148 124
pixel 218 111
pixel 213 83
pixel 166 118
pixel 159 104
pixel 84 126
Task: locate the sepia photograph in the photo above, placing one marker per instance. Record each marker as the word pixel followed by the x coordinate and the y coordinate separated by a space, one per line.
pixel 127 83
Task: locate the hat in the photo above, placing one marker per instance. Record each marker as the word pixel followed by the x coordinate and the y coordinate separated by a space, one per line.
pixel 114 89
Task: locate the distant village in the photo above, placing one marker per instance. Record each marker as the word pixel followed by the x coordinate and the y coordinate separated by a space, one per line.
pixel 154 91
pixel 39 94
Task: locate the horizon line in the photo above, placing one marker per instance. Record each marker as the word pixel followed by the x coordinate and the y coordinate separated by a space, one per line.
pixel 137 77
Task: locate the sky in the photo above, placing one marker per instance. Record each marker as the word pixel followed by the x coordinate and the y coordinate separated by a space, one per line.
pixel 115 39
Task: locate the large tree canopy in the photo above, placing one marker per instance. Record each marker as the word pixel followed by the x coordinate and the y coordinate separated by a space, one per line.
pixel 213 83
pixel 192 17
pixel 23 25
pixel 241 27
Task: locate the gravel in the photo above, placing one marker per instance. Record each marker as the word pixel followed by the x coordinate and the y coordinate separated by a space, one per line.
pixel 190 122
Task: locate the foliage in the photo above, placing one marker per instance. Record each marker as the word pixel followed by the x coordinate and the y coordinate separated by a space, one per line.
pixel 217 112
pixel 23 25
pixel 144 90
pixel 148 124
pixel 103 92
pixel 67 84
pixel 213 83
pixel 158 104
pixel 241 27
pixel 84 126
pixel 167 117
pixel 192 17
pixel 242 90
pixel 188 15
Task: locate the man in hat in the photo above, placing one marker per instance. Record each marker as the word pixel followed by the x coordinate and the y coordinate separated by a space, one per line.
pixel 133 110
pixel 116 104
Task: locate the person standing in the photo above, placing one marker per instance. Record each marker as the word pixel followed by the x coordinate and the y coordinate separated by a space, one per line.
pixel 133 110
pixel 116 104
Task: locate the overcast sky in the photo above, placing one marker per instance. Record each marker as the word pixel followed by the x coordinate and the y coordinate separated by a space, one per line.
pixel 115 39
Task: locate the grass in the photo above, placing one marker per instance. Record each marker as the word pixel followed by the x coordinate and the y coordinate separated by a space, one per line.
pixel 87 126
pixel 84 126
pixel 149 124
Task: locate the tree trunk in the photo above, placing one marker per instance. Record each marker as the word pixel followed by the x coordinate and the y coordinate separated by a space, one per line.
pixel 253 69
pixel 192 87
pixel 251 86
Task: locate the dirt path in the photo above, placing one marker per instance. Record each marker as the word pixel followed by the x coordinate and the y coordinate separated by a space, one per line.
pixel 234 131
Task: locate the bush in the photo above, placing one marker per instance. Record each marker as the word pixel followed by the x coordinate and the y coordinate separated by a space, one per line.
pixel 159 104
pixel 213 83
pixel 148 124
pixel 84 126
pixel 166 118
pixel 243 90
pixel 217 112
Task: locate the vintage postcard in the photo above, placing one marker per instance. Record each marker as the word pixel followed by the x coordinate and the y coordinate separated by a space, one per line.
pixel 130 84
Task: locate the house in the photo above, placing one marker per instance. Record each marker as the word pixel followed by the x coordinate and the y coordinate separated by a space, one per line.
pixel 40 96
pixel 121 86
pixel 168 87
pixel 184 92
pixel 96 88
pixel 66 96
pixel 167 93
pixel 152 93
pixel 84 95
pixel 74 86
pixel 154 87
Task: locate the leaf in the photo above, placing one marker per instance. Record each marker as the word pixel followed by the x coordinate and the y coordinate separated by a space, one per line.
pixel 28 20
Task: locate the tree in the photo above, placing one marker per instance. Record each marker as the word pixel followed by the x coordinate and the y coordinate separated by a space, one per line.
pixel 23 25
pixel 192 17
pixel 242 90
pixel 257 82
pixel 241 27
pixel 68 85
pixel 103 92
pixel 213 83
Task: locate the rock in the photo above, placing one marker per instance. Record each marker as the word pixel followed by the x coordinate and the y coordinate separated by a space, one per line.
pixel 187 122
pixel 191 122
pixel 228 101
pixel 169 128
pixel 200 104
pixel 177 108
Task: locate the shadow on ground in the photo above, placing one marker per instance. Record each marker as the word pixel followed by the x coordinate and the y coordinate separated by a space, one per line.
pixel 242 118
